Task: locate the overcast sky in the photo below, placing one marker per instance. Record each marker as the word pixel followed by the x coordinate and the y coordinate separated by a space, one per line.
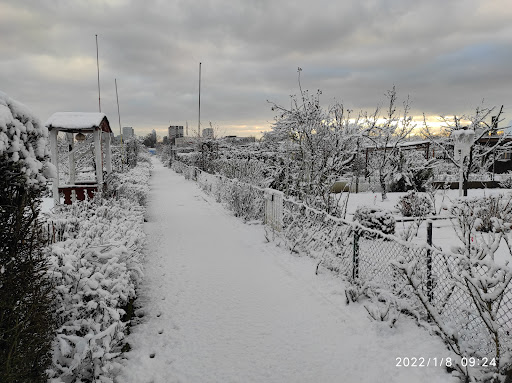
pixel 447 55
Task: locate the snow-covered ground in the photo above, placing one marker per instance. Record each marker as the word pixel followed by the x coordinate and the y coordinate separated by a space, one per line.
pixel 219 304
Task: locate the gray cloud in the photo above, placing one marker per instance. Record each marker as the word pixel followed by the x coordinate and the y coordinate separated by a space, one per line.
pixel 447 56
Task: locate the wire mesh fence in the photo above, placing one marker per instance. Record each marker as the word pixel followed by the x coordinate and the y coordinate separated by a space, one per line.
pixel 439 278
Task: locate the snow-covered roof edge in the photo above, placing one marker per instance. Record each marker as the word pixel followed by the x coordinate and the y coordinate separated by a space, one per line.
pixel 75 120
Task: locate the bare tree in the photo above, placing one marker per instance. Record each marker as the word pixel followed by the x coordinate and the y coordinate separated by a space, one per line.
pixel 385 134
pixel 485 146
pixel 322 142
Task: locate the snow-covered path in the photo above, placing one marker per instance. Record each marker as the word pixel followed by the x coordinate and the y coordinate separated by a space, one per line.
pixel 222 305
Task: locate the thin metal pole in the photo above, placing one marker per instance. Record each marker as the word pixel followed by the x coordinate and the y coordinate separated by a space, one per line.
pixel 199 118
pixel 98 66
pixel 120 131
pixel 429 262
pixel 355 257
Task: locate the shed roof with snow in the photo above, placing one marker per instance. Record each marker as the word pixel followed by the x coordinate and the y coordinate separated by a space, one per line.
pixel 74 122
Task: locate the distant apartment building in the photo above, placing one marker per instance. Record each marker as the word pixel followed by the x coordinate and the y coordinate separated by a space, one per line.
pixel 208 133
pixel 174 131
pixel 128 132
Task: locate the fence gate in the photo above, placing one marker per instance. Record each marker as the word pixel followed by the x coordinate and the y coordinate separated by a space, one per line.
pixel 274 209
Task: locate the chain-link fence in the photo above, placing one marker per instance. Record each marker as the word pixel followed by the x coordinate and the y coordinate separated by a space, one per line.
pixel 440 279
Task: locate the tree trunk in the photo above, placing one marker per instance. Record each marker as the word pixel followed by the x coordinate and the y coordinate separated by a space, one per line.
pixel 382 181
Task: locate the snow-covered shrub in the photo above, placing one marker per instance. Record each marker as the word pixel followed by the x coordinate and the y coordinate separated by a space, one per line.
pixel 26 297
pixel 412 172
pixel 414 205
pixel 375 218
pixel 494 213
pixel 506 180
pixel 243 199
pixel 246 170
pixel 132 149
pixel 190 158
pixel 143 155
pixel 487 214
pixel 134 184
pixel 165 153
pixel 96 270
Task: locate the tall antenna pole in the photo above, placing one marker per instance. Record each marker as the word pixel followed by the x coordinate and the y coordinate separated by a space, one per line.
pixel 98 66
pixel 120 131
pixel 199 119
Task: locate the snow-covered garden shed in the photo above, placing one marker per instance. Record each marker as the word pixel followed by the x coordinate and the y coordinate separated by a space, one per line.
pixel 76 125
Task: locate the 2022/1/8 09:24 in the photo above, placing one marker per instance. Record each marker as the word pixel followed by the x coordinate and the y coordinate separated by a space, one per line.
pixel 447 362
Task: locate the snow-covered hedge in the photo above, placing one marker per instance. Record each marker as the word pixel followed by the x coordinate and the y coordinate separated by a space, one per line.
pixel 96 269
pixel 244 200
pixel 26 299
pixel 133 185
pixel 23 140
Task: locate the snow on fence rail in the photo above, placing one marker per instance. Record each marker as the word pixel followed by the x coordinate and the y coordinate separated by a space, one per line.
pixel 369 258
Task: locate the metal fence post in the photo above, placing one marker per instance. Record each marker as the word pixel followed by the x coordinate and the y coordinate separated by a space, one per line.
pixel 355 259
pixel 429 261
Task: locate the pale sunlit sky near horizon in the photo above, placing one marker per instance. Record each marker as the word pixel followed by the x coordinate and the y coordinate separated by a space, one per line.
pixel 446 55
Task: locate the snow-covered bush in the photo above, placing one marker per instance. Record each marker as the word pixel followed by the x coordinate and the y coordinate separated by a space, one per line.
pixel 487 214
pixel 244 200
pixel 165 153
pixel 23 142
pixel 96 270
pixel 246 170
pixel 26 297
pixel 132 149
pixel 375 218
pixel 414 205
pixel 412 171
pixel 134 184
pixel 506 180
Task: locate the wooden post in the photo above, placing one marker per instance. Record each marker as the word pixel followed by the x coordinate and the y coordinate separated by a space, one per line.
pixel 98 159
pixel 55 162
pixel 71 158
pixel 108 154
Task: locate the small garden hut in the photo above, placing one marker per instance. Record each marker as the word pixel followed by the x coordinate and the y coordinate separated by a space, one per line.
pixel 76 126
